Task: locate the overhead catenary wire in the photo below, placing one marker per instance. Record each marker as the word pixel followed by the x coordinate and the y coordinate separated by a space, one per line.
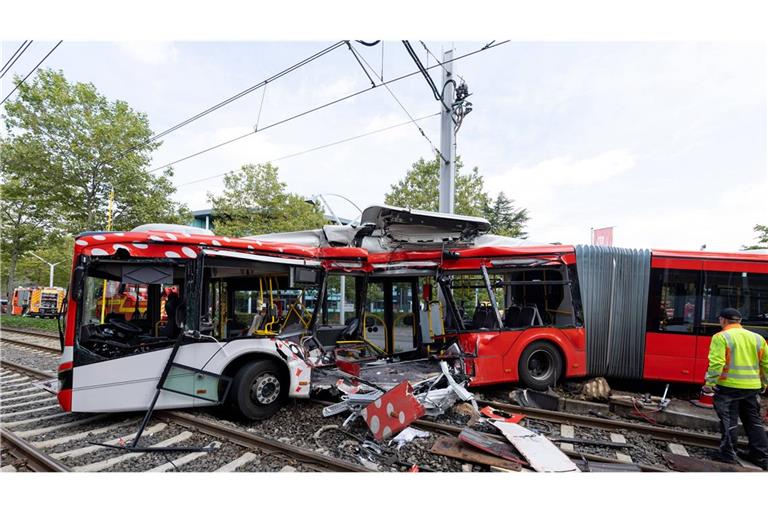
pixel 12 60
pixel 424 71
pixel 438 60
pixel 239 95
pixel 33 70
pixel 392 93
pixel 320 107
pixel 316 148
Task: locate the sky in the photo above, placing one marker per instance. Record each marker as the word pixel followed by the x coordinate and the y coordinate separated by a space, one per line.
pixel 665 141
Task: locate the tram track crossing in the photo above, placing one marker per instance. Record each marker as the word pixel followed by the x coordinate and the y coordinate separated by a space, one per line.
pixel 645 443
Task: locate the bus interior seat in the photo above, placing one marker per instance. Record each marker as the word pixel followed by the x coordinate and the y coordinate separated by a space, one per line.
pixel 512 315
pixel 529 315
pixel 484 318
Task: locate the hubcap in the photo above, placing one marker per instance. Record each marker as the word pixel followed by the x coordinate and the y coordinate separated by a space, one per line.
pixel 540 365
pixel 265 389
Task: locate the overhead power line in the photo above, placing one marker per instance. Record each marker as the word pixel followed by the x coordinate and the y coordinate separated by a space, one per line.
pixel 239 95
pixel 392 93
pixel 325 105
pixel 316 148
pixel 7 66
pixel 33 70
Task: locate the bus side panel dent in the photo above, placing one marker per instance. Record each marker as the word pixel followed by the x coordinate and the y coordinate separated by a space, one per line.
pixel 299 372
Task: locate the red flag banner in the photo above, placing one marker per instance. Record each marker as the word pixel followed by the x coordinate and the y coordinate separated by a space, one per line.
pixel 602 236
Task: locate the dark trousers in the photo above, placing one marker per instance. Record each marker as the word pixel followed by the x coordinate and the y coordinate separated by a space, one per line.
pixel 732 404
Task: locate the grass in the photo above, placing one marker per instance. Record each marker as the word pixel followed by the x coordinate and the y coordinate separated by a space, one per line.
pixel 25 322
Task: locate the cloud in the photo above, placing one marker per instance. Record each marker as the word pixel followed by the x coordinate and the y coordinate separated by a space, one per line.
pixel 150 52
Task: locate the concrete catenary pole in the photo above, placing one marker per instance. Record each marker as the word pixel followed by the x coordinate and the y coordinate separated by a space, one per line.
pixel 447 138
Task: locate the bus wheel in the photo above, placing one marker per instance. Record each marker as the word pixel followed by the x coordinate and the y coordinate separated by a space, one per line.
pixel 259 389
pixel 540 365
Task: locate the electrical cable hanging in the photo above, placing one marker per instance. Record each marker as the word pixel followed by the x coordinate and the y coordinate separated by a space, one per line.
pixel 392 93
pixel 33 70
pixel 320 107
pixel 12 60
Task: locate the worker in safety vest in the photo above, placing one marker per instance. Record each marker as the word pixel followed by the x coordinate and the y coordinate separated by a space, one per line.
pixel 737 374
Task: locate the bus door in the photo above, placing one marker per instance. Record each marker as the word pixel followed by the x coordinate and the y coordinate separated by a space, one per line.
pixel 392 314
pixel 674 307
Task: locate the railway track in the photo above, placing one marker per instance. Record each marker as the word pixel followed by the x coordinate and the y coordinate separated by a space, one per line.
pixel 35 333
pixel 37 436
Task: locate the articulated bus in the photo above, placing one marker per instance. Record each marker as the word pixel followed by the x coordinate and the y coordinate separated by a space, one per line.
pixel 249 322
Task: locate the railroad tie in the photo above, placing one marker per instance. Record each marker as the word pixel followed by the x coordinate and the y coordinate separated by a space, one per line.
pixel 31 402
pixel 186 459
pixel 19 413
pixel 678 449
pixel 33 420
pixel 45 430
pixel 105 464
pixel 6 400
pixel 239 462
pixel 75 437
pixel 79 452
pixel 568 432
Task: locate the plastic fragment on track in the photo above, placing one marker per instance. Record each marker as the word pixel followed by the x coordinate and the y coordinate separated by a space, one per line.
pixel 540 452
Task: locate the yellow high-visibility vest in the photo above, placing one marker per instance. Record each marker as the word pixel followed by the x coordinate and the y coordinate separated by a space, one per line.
pixel 738 358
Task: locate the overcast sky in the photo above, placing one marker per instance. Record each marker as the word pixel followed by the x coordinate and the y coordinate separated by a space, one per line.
pixel 664 141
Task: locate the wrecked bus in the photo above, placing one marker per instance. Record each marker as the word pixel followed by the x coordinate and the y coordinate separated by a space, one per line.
pixel 249 322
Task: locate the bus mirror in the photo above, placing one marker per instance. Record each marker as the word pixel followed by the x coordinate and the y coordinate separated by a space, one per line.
pixel 77 282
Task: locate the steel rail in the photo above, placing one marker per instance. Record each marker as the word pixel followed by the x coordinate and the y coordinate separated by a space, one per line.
pixel 30 333
pixel 658 433
pixel 250 440
pixel 26 369
pixel 35 459
pixel 452 429
pixel 26 344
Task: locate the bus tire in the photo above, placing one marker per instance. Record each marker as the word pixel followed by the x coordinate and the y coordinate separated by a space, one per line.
pixel 259 389
pixel 540 365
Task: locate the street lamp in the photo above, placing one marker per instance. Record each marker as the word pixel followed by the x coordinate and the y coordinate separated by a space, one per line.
pixel 51 265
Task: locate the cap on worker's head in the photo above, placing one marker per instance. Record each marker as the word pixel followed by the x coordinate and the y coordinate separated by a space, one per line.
pixel 730 314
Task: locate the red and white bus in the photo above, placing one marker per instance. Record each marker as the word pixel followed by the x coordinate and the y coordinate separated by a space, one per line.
pixel 248 322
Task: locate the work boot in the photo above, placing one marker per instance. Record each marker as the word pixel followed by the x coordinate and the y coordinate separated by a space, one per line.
pixel 750 457
pixel 727 460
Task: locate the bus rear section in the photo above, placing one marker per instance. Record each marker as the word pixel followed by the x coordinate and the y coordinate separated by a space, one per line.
pixel 687 290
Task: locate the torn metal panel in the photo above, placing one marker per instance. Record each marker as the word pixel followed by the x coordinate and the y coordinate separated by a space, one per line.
pixel 393 411
pixel 460 391
pixel 541 454
pixel 454 448
pixel 492 446
pixel 495 414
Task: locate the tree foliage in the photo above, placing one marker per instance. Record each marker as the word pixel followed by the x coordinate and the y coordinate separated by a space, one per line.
pixel 420 190
pixel 255 201
pixel 761 231
pixel 91 146
pixel 66 147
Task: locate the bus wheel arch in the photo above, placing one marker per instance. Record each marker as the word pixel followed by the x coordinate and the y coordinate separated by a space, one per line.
pixel 259 387
pixel 541 364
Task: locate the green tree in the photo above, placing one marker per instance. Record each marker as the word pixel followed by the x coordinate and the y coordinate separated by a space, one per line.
pixel 255 202
pixel 28 214
pixel 420 190
pixel 505 219
pixel 762 237
pixel 91 146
